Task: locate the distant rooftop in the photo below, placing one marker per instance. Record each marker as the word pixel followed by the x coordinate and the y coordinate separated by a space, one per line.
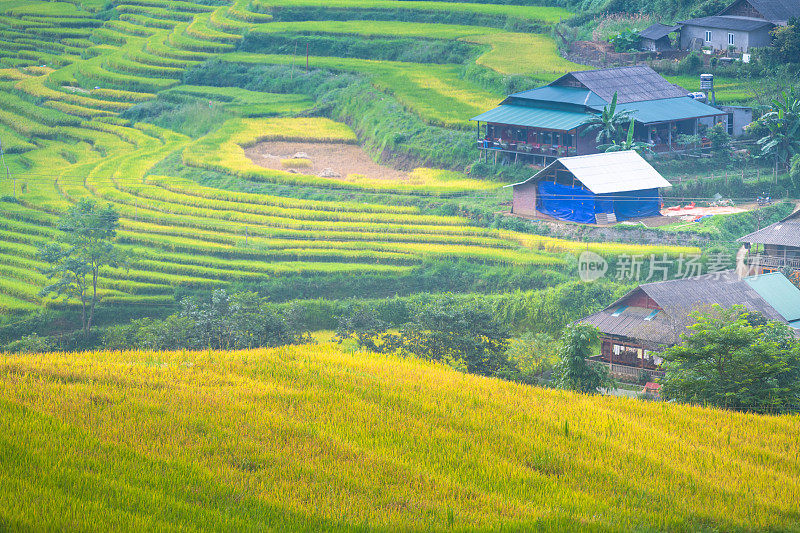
pixel 729 23
pixel 632 84
pixel 783 233
pixel 657 31
pixel 774 10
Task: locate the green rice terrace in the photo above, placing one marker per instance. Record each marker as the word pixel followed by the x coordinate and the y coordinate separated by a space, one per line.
pixel 197 212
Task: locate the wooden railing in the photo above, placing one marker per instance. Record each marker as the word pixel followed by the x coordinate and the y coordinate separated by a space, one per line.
pixel 625 371
pixel 773 262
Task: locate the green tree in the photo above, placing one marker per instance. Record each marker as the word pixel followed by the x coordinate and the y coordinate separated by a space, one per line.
pixel 786 45
pixel 627 144
pixel 573 371
pixel 735 359
pixel 607 124
pixel 85 246
pixel 626 41
pixel 463 335
pixel 782 140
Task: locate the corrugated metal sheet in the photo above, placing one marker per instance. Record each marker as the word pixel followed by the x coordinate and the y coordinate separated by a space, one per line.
pixel 564 95
pixel 533 117
pixel 779 292
pixel 612 172
pixel 667 109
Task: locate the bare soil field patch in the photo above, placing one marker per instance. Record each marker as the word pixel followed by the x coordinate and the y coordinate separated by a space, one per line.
pixel 331 160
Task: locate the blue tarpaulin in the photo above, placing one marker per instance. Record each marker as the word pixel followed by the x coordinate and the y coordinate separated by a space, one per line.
pixel 637 204
pixel 566 203
pixel 579 205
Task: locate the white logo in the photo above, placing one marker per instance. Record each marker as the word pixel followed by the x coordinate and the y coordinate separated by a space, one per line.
pixel 591 266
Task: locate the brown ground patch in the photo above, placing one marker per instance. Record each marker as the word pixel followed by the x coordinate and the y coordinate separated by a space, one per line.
pixel 344 159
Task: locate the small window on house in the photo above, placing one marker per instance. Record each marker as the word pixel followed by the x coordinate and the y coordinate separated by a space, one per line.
pixel 567 139
pixel 619 310
pixel 652 315
pixel 708 36
pixel 522 135
pixel 547 138
pixel 731 41
pixel 730 123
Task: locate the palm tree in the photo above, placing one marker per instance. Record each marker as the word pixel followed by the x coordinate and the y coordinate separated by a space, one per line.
pixel 608 124
pixel 783 122
pixel 627 144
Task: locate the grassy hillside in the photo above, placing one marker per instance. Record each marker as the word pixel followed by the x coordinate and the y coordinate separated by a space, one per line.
pixel 314 438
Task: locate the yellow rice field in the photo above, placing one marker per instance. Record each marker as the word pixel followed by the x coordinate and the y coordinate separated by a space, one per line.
pixel 313 438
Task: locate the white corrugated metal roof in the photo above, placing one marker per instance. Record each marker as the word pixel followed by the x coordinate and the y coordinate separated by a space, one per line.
pixel 610 172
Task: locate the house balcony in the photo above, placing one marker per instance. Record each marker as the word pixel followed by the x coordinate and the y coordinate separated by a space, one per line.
pixel 544 151
pixel 627 372
pixel 772 262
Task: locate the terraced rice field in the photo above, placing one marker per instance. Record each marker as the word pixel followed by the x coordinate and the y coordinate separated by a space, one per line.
pixel 67 75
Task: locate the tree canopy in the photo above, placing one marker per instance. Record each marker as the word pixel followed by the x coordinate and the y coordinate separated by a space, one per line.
pixel 735 359
pixel 84 246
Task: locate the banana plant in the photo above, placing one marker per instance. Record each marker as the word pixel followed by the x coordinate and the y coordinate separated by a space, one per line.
pixel 783 124
pixel 627 144
pixel 607 124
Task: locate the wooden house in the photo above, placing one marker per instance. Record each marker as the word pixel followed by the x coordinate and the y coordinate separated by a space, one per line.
pixel 543 124
pixel 775 248
pixel 641 324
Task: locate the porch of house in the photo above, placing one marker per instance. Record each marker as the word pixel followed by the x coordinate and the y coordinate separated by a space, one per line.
pixel 768 258
pixel 628 359
pixel 542 146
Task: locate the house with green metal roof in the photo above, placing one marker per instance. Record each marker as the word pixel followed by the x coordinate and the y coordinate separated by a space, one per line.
pixel 543 124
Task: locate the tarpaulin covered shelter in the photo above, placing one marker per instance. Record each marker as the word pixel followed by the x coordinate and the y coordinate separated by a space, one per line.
pixel 598 188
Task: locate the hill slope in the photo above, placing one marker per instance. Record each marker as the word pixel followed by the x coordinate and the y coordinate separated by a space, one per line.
pixel 311 437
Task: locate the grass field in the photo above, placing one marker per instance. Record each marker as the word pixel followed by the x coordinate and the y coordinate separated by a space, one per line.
pixel 312 438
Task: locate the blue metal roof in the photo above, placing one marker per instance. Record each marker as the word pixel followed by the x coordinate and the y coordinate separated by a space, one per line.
pixel 667 110
pixel 534 117
pixel 778 292
pixel 565 95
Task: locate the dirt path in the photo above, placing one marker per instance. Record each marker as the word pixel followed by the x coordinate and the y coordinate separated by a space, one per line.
pixel 327 159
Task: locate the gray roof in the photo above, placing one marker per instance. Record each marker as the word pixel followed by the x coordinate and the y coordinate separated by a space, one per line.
pixel 677 299
pixel 657 31
pixel 783 233
pixel 610 172
pixel 632 84
pixel 728 23
pixel 774 10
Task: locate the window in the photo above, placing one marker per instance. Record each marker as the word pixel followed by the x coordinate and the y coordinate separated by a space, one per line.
pixel 730 123
pixel 730 40
pixel 547 138
pixel 708 36
pixel 567 139
pixel 522 135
